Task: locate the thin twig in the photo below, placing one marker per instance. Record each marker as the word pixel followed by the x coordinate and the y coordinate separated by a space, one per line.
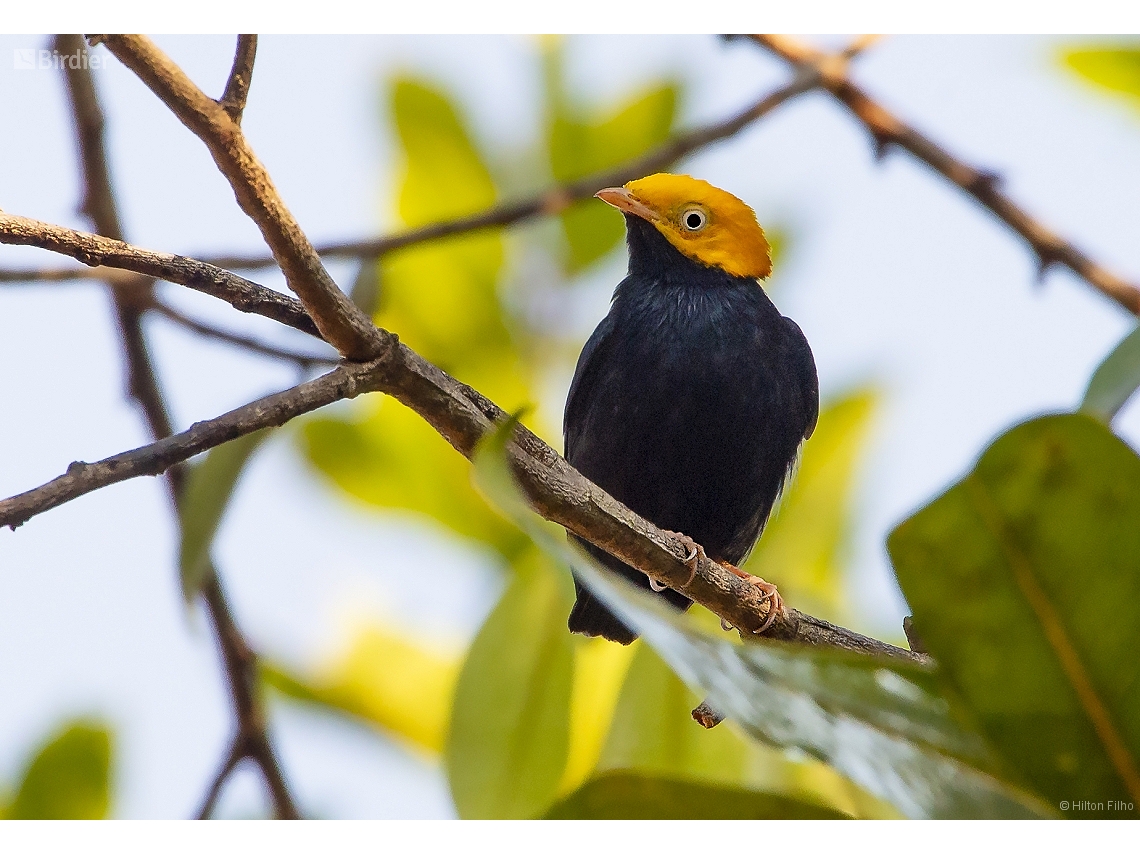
pixel 243 295
pixel 99 205
pixel 35 275
pixel 341 323
pixel 556 199
pixel 237 86
pixel 233 758
pixel 304 360
pixel 887 129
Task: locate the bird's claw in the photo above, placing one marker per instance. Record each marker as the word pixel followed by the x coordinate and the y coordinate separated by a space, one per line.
pixel 693 558
pixel 771 595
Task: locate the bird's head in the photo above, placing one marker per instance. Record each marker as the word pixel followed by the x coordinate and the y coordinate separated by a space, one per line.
pixel 704 223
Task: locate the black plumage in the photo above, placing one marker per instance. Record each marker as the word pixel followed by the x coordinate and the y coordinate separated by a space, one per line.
pixel 689 404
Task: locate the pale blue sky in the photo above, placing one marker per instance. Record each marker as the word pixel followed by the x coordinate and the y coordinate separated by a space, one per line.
pixel 896 278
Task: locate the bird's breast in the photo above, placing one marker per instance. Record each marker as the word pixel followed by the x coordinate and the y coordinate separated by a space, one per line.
pixel 683 418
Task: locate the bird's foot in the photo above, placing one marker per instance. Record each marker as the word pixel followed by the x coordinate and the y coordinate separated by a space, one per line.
pixel 692 559
pixel 775 601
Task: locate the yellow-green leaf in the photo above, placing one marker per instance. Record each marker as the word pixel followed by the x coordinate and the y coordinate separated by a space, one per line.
pixel 803 546
pixel 392 458
pixel 625 795
pixel 442 298
pixel 583 141
pixel 1115 68
pixel 209 486
pixel 386 679
pixel 508 743
pixel 1115 379
pixel 600 668
pixel 653 729
pixel 69 777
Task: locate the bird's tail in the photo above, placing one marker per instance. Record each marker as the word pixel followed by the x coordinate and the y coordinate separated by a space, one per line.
pixel 590 617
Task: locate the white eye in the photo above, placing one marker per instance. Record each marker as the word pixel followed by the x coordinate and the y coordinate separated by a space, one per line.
pixel 694 219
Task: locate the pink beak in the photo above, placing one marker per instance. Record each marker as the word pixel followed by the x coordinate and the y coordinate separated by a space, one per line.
pixel 627 203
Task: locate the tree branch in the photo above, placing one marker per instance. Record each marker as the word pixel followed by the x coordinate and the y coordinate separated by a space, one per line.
pixel 34 275
pixel 341 323
pixel 99 204
pixel 94 250
pixel 556 199
pixel 463 416
pixel 304 360
pixel 241 74
pixel 887 130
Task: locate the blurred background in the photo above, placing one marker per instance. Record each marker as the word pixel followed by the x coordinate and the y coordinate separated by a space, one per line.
pixel 354 539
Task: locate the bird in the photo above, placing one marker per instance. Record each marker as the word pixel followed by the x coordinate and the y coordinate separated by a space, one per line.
pixel 692 398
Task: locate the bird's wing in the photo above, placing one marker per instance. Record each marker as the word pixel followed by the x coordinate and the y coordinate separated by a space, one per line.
pixel 585 374
pixel 804 366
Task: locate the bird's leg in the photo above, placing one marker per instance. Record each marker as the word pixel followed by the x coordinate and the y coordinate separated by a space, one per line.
pixel 775 601
pixel 692 559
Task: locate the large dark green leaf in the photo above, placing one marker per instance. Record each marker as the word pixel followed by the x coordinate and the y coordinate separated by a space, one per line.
pixel 1115 380
pixel 1024 579
pixel 883 724
pixel 625 795
pixel 510 721
pixel 209 486
pixel 69 778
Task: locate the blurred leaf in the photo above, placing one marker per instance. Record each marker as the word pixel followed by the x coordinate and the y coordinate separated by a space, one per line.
pixel 394 459
pixel 582 142
pixel 600 668
pixel 510 722
pixel 882 723
pixel 1116 69
pixel 442 299
pixel 385 679
pixel 622 795
pixel 69 778
pixel 1115 379
pixel 803 546
pixel 1024 580
pixel 365 291
pixel 653 729
pixel 209 486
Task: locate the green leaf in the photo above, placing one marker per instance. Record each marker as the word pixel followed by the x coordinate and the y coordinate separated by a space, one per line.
pixel 624 795
pixel 1115 379
pixel 883 724
pixel 510 723
pixel 393 459
pixel 653 729
pixel 390 681
pixel 1116 69
pixel 803 549
pixel 209 486
pixel 70 776
pixel 1024 579
pixel 441 297
pixel 582 142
